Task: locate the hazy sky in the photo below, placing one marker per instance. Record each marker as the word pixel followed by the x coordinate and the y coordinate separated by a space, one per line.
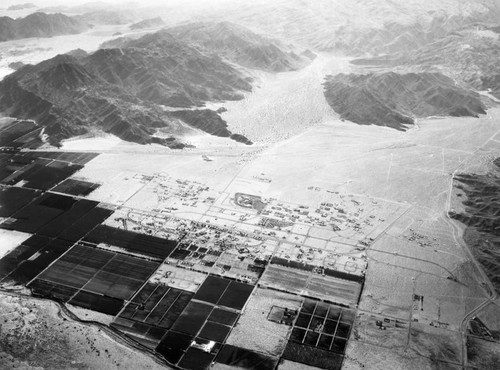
pixel 6 3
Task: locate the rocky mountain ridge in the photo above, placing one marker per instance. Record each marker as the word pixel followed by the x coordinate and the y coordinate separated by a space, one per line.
pixel 39 25
pixel 396 100
pixel 122 90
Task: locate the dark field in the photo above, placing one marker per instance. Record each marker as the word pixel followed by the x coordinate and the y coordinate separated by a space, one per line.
pixel 37 173
pixel 192 318
pixel 224 292
pixel 202 323
pixel 319 335
pixel 20 134
pixel 38 213
pixel 157 305
pixel 102 279
pixel 54 291
pixel 20 168
pixel 148 335
pixel 85 224
pixel 57 226
pixel 245 359
pixel 76 187
pixel 9 164
pixel 96 302
pixel 173 346
pixel 195 359
pixel 134 242
pixel 324 319
pixel 313 356
pixel 77 267
pixel 50 214
pixel 27 261
pixel 215 332
pixel 13 199
pixel 222 316
pixel 49 175
pixel 212 289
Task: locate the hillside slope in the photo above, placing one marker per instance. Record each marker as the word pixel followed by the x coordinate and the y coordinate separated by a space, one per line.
pixel 395 100
pixel 39 25
pixel 242 46
pixel 120 90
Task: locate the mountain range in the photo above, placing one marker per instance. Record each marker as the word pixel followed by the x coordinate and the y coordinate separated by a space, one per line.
pixel 147 23
pixel 395 100
pixel 39 25
pixel 134 88
pixel 241 46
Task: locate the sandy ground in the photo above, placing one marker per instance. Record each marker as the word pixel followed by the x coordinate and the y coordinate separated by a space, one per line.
pixel 35 334
pixel 269 114
pixel 10 239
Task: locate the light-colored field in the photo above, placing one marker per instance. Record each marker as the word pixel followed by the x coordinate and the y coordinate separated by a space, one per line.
pixel 267 336
pixel 179 278
pixel 291 365
pixel 10 239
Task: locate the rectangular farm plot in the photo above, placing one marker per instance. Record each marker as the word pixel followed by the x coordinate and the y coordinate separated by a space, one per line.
pixel 54 291
pixel 97 302
pixel 311 284
pixel 132 241
pixel 50 175
pixel 243 358
pixel 193 318
pixel 77 267
pixel 13 199
pixel 319 335
pixel 67 219
pixel 121 276
pixel 36 258
pixel 173 346
pixel 157 305
pixel 76 187
pixel 148 335
pixel 286 279
pixel 105 278
pixel 11 135
pixel 313 356
pixel 334 289
pixel 212 289
pixel 224 292
pixel 85 224
pixel 236 295
pixel 38 213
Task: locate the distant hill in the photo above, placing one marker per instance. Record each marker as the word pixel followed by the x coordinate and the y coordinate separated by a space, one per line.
pixel 39 25
pixel 242 46
pixel 148 23
pixel 108 17
pixel 469 56
pixel 394 100
pixel 21 6
pixel 122 90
